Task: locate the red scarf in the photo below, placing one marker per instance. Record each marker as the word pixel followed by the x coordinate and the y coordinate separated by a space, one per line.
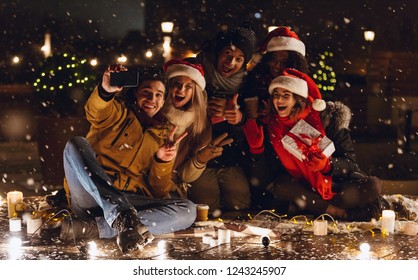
pixel 278 127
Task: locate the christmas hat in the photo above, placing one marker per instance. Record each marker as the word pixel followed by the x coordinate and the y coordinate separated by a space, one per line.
pixel 301 84
pixel 178 67
pixel 282 39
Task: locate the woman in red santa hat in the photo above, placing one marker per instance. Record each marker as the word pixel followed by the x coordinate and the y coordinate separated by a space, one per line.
pixel 317 184
pixel 280 49
pixel 185 108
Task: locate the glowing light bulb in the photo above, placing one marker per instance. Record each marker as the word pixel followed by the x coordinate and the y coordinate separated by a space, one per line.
pixel 93 251
pixel 364 247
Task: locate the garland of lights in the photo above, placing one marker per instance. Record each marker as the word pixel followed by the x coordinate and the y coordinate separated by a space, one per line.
pixel 57 79
pixel 324 75
pixel 60 73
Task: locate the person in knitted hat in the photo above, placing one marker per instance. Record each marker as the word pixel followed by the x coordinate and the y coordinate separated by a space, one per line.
pixel 317 184
pixel 223 185
pixel 185 108
pixel 281 48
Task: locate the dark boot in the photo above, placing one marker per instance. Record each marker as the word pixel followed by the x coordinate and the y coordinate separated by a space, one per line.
pixel 57 200
pixel 78 229
pixel 132 234
pixel 371 211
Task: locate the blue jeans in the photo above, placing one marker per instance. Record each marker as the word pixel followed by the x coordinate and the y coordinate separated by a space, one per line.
pixel 93 195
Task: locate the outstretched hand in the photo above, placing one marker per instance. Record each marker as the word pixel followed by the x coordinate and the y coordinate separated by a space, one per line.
pixel 168 151
pixel 254 134
pixel 214 149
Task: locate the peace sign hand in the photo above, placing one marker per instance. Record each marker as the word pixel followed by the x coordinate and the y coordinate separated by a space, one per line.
pixel 168 151
pixel 214 149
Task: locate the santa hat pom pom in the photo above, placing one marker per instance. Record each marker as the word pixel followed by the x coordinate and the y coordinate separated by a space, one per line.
pixel 319 105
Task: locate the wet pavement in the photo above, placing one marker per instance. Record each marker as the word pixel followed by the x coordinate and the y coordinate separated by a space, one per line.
pixel 289 239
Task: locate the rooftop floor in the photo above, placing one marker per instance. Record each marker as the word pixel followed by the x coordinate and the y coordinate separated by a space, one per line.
pixel 290 239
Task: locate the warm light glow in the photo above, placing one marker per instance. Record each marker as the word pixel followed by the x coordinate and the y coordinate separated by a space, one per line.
pixel 122 59
pixel 167 48
pixel 167 26
pixel 46 48
pixel 15 250
pixel 271 28
pixel 189 53
pixel 161 244
pixel 369 35
pixel 15 59
pixel 93 250
pixel 148 53
pixel 161 249
pixel 93 62
pixel 364 248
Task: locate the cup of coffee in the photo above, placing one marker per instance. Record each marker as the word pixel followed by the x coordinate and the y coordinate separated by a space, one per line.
pixel 218 105
pixel 251 107
pixel 202 211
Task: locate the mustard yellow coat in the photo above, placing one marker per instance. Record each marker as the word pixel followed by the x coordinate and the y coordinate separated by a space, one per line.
pixel 124 150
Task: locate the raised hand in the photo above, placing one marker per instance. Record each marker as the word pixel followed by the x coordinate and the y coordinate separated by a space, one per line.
pixel 232 114
pixel 106 77
pixel 168 151
pixel 254 135
pixel 214 149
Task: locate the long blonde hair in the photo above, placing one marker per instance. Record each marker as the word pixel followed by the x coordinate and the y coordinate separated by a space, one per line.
pixel 196 106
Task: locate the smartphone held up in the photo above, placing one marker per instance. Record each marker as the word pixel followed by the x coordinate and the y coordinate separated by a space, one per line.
pixel 124 78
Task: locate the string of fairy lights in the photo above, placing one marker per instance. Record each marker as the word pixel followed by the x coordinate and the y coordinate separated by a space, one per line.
pixel 60 73
pixel 324 75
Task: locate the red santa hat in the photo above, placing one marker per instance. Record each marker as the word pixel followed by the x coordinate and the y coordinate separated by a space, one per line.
pixel 178 67
pixel 301 84
pixel 282 39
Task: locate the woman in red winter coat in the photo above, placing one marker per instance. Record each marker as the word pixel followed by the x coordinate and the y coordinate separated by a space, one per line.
pixel 316 184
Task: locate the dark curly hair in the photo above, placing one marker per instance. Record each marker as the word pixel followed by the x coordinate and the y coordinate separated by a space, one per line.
pixel 151 73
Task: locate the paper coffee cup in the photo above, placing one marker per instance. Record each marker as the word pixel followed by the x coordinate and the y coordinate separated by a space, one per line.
pixel 251 107
pixel 202 212
pixel 220 103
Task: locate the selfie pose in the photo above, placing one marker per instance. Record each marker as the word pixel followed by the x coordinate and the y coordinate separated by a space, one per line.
pixel 117 178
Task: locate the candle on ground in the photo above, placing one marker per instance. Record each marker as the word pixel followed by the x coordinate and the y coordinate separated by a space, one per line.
pixel 14 199
pixel 388 221
pixel 320 227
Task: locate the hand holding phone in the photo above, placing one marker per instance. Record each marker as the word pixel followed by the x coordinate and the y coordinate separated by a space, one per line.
pixel 124 78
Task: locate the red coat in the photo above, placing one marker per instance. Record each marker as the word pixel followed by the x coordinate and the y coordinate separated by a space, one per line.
pixel 278 127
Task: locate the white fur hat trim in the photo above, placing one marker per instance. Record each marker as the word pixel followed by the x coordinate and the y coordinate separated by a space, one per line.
pixel 296 85
pixel 286 44
pixel 175 70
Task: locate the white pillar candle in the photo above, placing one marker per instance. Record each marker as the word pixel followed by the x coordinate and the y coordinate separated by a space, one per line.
pixel 214 242
pixel 410 228
pixel 14 198
pixel 15 224
pixel 34 225
pixel 206 239
pixel 224 236
pixel 388 221
pixel 25 217
pixel 320 227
